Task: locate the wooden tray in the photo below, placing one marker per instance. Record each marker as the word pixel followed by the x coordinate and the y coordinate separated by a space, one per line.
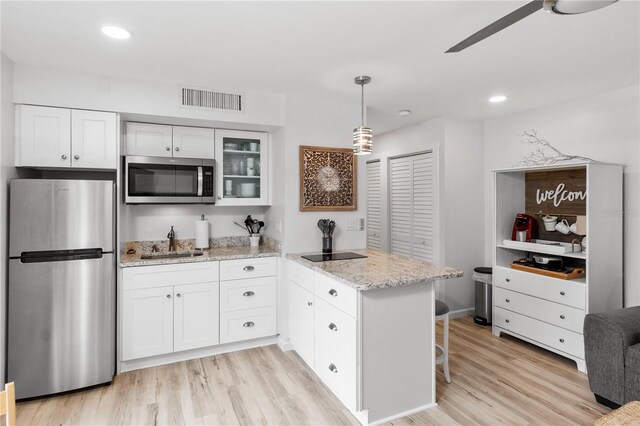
pixel 577 272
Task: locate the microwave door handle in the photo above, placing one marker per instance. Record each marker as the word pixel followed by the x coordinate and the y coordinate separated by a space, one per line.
pixel 199 181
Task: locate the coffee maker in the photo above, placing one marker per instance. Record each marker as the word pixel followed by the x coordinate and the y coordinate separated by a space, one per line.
pixel 525 228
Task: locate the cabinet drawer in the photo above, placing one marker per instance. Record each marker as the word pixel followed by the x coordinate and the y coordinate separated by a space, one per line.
pixel 547 334
pixel 163 275
pixel 251 293
pixel 301 275
pixel 338 374
pixel 336 330
pixel 554 313
pixel 566 292
pixel 247 324
pixel 335 293
pixel 247 268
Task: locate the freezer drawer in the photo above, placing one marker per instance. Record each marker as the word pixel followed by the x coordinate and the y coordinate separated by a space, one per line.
pixel 60 214
pixel 61 325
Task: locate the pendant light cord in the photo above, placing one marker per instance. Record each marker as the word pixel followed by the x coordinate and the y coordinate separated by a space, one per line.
pixel 362 104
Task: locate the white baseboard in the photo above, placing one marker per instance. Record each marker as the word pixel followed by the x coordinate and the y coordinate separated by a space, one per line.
pixel 136 364
pixel 285 345
pixel 459 313
pixel 403 414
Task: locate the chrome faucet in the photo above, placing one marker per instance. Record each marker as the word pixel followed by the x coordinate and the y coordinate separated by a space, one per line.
pixel 172 239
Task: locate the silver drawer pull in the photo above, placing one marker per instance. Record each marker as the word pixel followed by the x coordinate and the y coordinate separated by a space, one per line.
pixel 561 340
pixel 333 368
pixel 309 303
pixel 248 293
pixel 178 295
pixel 507 300
pixel 248 268
pixel 562 293
pixel 508 280
pixel 561 316
pixel 168 296
pixel 333 327
pixel 507 320
pixel 333 292
pixel 248 324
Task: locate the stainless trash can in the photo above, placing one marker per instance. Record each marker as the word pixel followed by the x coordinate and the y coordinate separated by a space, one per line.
pixel 483 276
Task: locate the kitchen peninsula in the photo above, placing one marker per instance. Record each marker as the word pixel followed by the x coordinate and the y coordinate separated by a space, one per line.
pixel 366 327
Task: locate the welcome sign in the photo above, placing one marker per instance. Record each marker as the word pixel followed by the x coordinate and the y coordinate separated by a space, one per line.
pixel 557 192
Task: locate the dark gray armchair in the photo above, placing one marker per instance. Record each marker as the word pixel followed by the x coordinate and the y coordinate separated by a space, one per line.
pixel 612 353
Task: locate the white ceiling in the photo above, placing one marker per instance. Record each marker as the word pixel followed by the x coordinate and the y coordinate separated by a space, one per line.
pixel 316 48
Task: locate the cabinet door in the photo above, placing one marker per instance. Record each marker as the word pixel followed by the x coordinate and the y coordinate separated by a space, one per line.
pixel 147 322
pixel 243 168
pixel 93 139
pixel 196 322
pixel 302 327
pixel 148 139
pixel 43 136
pixel 193 142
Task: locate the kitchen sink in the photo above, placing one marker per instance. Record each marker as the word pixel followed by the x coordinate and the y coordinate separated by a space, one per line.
pixel 171 255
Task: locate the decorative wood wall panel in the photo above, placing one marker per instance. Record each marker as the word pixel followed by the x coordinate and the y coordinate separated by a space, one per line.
pixel 328 179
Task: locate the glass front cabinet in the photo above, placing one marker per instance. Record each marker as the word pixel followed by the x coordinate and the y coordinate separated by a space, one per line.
pixel 243 168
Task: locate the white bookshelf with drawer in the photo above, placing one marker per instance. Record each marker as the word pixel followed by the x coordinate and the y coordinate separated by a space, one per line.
pixel 549 311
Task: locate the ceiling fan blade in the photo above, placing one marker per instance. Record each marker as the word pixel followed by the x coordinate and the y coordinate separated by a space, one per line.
pixel 498 25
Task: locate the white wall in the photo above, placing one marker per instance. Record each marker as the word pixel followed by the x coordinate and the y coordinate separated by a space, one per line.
pixel 71 89
pixel 7 171
pixel 310 122
pixel 605 127
pixel 459 148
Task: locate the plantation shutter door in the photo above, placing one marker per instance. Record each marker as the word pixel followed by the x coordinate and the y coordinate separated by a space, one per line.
pixel 374 205
pixel 412 198
pixel 401 201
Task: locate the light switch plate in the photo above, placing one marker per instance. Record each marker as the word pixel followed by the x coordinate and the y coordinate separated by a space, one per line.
pixel 352 224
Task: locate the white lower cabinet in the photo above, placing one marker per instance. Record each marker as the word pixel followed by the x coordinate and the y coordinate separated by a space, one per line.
pixel 302 329
pixel 148 322
pixel 195 321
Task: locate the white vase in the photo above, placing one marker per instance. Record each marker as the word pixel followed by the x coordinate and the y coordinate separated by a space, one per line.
pixel 254 239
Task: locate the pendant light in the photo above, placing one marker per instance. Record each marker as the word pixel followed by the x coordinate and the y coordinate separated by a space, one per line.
pixel 362 136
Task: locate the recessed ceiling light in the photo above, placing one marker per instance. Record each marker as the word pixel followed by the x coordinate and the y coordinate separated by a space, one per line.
pixel 116 32
pixel 496 99
pixel 404 112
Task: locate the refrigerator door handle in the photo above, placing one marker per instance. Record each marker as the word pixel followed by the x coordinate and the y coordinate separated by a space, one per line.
pixel 60 255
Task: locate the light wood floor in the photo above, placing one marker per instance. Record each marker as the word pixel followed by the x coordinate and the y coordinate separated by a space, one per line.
pixel 494 381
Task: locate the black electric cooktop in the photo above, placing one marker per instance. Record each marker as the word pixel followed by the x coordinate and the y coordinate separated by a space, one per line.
pixel 333 256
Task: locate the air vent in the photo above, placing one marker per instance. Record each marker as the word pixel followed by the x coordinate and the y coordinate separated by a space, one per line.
pixel 202 98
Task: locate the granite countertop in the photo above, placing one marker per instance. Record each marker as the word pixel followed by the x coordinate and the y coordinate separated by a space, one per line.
pixel 379 270
pixel 221 249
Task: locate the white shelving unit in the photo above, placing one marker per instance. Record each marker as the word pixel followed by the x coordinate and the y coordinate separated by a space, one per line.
pixel 546 311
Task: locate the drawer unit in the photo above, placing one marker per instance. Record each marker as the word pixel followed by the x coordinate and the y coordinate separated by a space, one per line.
pixel 247 324
pixel 554 313
pixel 247 268
pixel 338 374
pixel 566 292
pixel 301 275
pixel 247 294
pixel 167 275
pixel 335 293
pixel 547 334
pixel 336 330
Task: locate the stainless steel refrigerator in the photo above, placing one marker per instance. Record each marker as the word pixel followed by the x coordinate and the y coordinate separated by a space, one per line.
pixel 61 290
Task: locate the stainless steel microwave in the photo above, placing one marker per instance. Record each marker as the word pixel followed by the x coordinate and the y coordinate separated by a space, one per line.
pixel 158 180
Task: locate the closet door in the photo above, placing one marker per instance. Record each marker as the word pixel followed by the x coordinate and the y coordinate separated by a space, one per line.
pixel 412 195
pixel 373 205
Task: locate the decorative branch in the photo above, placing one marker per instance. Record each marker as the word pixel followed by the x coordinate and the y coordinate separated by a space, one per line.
pixel 543 152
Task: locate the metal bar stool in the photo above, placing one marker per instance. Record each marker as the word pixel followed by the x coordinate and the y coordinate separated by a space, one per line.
pixel 442 352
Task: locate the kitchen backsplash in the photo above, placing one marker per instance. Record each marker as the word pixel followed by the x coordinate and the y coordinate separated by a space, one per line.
pixel 189 244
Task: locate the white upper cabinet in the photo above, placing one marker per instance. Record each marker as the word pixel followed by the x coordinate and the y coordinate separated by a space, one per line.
pixel 193 142
pixel 60 137
pixel 159 140
pixel 243 168
pixel 93 139
pixel 149 139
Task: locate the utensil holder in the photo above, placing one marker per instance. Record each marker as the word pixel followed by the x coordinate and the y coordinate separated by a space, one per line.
pixel 327 245
pixel 254 240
